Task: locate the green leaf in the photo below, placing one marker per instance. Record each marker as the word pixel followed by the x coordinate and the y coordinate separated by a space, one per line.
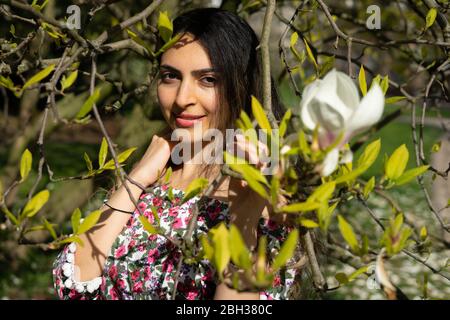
pixel 423 233
pixel 348 234
pixel 341 278
pixel 369 187
pixel 25 164
pixel 358 272
pixel 147 225
pixel 165 27
pixel 436 147
pixel 75 220
pixel 35 204
pixel 431 17
pixel 385 84
pixel 168 175
pixel 247 171
pixel 362 80
pixel 392 100
pixel 311 55
pixel 286 251
pixel 396 164
pixel 69 81
pixel 308 223
pixel 370 154
pixel 72 239
pixel 103 152
pixel 88 162
pixel 240 255
pixel 274 190
pixel 284 122
pixel 208 250
pixel 38 76
pixel 168 44
pixel 300 207
pixel 260 115
pixel 7 83
pixel 89 104
pixel 294 39
pixel 323 192
pixel 89 221
pixel 12 29
pixel 222 254
pixel 49 227
pixel 122 157
pixel 194 188
pixel 410 175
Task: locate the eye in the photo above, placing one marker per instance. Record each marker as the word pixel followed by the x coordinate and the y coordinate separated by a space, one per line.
pixel 168 76
pixel 209 80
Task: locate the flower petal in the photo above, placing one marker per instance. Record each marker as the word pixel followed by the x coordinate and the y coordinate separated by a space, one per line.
pixel 369 111
pixel 308 94
pixel 330 163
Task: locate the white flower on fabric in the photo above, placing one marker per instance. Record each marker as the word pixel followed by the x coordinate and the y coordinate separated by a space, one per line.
pixel 333 104
pixel 72 247
pixel 70 258
pixel 79 288
pixel 92 286
pixel 67 269
pixel 68 284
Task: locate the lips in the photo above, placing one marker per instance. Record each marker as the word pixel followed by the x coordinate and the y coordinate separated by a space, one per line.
pixel 187 120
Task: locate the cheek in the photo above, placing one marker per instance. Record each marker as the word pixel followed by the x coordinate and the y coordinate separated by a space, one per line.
pixel 165 99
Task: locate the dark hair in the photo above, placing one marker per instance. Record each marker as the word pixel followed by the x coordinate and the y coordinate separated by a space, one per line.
pixel 231 45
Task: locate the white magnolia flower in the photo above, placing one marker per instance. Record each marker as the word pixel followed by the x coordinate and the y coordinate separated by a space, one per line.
pixel 334 105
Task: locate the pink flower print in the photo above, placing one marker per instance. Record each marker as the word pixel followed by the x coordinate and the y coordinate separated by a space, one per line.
pixel 147 273
pixel 173 212
pixel 157 202
pixel 142 206
pixel 113 294
pixel 113 272
pixel 135 275
pixel 192 295
pixel 164 187
pixel 120 283
pixel 120 252
pixel 152 255
pixel 277 281
pixel 131 244
pixel 178 223
pixel 137 287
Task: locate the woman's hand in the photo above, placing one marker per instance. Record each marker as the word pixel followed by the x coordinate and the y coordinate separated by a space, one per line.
pixel 152 164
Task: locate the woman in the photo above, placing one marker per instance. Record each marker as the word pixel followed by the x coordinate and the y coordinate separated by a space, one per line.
pixel 205 79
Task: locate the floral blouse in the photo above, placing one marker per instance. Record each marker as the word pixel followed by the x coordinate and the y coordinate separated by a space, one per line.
pixel 141 265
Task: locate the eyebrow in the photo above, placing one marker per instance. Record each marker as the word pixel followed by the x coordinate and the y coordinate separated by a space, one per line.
pixel 195 73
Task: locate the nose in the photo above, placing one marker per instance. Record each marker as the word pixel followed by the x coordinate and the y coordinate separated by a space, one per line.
pixel 186 94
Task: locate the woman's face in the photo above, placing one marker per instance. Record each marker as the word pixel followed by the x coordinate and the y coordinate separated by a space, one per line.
pixel 187 86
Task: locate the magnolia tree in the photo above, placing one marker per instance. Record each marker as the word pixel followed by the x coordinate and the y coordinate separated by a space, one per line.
pixel 56 63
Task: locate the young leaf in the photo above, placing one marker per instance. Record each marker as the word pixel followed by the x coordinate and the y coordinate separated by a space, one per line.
pixel 147 225
pixel 284 122
pixel 300 207
pixel 431 17
pixel 222 254
pixel 362 80
pixel 348 234
pixel 323 192
pixel 88 105
pixel 69 81
pixel 25 164
pixel 423 233
pixel 311 55
pixel 194 188
pixel 369 187
pixel 308 223
pixel 88 162
pixel 410 175
pixel 38 76
pixel 240 255
pixel 260 115
pixel 75 220
pixel 35 204
pixel 385 84
pixel 286 251
pixel 208 250
pixel 165 27
pixel 392 100
pixel 49 227
pixel 102 153
pixel 89 221
pixel 396 164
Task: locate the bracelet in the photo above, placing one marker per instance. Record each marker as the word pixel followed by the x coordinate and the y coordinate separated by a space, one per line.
pixel 129 212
